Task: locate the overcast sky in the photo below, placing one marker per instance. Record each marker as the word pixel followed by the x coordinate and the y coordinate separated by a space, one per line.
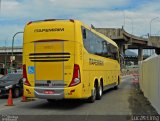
pixel 14 14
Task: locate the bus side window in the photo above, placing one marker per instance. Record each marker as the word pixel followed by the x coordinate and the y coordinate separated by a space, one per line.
pixel 115 56
pixel 114 53
pixel 110 54
pixel 84 33
pixel 105 50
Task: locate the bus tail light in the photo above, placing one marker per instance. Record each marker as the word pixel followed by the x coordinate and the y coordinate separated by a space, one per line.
pixel 25 79
pixel 76 79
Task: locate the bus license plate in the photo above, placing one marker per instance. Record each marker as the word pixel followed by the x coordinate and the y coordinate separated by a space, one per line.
pixel 48 92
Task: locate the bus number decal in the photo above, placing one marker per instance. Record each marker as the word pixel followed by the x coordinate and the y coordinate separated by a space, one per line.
pixel 95 62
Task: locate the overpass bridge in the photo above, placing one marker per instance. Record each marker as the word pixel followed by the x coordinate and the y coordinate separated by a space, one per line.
pixel 126 40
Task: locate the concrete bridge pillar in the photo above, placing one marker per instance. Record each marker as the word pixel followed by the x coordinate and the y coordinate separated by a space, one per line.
pixel 121 48
pixel 122 52
pixel 140 54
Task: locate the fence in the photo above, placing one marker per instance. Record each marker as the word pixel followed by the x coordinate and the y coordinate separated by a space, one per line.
pixel 150 80
pixel 130 71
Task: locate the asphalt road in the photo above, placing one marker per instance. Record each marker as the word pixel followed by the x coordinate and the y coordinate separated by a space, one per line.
pixel 114 105
pixel 3 101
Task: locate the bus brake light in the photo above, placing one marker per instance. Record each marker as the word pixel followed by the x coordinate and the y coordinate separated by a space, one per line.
pixel 25 79
pixel 76 76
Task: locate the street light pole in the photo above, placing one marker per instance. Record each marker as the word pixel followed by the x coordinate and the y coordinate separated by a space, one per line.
pixel 151 23
pixel 124 22
pixel 13 40
pixel 12 47
pixel 132 31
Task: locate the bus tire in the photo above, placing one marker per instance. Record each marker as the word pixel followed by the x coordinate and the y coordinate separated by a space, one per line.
pixel 93 96
pixel 116 87
pixel 99 92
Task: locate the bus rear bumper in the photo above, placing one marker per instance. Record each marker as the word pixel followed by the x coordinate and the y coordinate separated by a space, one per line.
pixel 49 93
pixel 59 93
pixel 53 93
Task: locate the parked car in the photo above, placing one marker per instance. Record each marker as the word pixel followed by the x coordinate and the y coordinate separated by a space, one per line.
pixel 13 81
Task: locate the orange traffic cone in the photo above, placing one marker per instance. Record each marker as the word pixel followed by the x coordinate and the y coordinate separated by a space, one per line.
pixel 24 99
pixel 10 100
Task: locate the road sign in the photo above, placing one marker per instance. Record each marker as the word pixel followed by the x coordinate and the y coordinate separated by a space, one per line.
pixel 30 69
pixel 12 58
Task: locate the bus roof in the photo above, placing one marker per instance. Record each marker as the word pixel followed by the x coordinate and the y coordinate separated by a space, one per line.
pixel 81 23
pixel 71 20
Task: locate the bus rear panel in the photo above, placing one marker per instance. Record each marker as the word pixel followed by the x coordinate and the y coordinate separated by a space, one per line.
pixel 50 70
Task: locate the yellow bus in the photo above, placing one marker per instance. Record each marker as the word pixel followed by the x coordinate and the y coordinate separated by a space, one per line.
pixel 65 59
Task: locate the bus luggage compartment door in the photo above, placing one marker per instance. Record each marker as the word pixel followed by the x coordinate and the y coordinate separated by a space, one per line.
pixel 49 58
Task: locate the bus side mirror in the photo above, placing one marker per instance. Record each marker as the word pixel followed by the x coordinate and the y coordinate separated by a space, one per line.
pixel 84 33
pixel 157 51
pixel 121 60
pixel 121 57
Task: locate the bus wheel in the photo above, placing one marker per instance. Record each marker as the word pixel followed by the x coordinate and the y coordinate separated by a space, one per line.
pixel 116 87
pixel 93 97
pixel 99 92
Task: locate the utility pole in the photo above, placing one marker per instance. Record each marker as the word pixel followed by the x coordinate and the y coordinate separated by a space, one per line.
pixel 124 17
pixel 0 6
